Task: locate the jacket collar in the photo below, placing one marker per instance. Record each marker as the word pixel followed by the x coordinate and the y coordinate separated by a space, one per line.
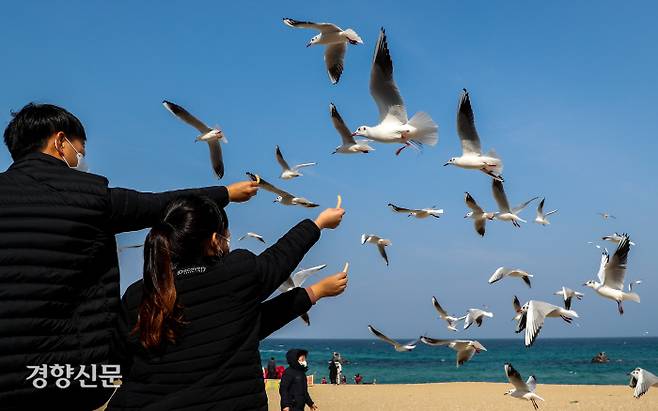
pixel 37 157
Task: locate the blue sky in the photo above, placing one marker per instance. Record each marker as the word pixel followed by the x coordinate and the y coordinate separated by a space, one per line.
pixel 565 92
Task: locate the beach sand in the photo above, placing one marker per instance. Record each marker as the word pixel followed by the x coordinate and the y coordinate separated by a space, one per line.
pixel 468 396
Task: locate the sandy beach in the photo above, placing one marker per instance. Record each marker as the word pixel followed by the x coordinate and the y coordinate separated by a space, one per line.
pixel 471 396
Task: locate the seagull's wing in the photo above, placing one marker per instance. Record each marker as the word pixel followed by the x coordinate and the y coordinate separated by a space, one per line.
pixel 184 115
pixel 464 355
pixel 499 195
pixel 382 251
pixel 540 209
pixel 300 276
pixel 470 318
pixel 269 187
pixel 442 313
pixel 339 125
pixel 480 226
pixel 498 275
pixel 257 237
pixel 216 158
pixel 531 383
pixel 287 285
pixel 615 270
pixel 302 165
pixel 470 202
pixel 434 341
pixel 517 304
pixel 537 311
pixel 515 378
pixel 401 209
pixel 466 126
pixel 524 205
pixel 550 212
pixel 306 319
pixel 643 383
pixel 334 57
pixel 382 337
pixel 605 257
pixel 323 27
pixel 382 85
pixel 279 158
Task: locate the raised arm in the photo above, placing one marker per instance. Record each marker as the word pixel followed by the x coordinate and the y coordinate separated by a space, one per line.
pixel 282 309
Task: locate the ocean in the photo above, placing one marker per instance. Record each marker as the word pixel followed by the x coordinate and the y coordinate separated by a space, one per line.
pixel 552 361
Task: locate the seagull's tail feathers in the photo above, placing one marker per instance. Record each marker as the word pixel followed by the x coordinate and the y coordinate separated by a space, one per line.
pixel 632 297
pixel 352 36
pixel 427 131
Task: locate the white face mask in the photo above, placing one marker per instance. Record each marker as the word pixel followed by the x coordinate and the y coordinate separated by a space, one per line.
pixel 82 164
pixel 302 363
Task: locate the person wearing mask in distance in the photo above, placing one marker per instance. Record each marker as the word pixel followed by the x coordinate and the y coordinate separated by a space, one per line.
pixel 294 387
pixel 59 268
pixel 194 322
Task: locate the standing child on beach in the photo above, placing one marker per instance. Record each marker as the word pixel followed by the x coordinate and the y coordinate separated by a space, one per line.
pixel 293 388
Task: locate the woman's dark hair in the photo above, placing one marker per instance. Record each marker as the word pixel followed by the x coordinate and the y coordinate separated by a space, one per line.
pixel 30 128
pixel 180 238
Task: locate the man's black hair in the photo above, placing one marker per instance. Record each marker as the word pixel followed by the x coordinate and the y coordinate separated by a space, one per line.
pixel 29 128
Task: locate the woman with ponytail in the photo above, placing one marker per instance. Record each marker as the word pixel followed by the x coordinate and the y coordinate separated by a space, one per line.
pixel 192 325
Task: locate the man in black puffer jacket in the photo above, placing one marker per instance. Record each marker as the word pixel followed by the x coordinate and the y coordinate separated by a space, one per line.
pixel 59 274
pixel 293 388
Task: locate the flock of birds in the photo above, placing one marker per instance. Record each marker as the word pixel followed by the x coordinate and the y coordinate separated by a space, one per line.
pixel 395 127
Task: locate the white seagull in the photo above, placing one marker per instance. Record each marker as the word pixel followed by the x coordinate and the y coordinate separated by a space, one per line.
pixel 533 314
pixel 289 172
pixel 475 316
pixel 611 275
pixel 502 272
pixel 633 284
pixel 472 157
pixel 394 125
pixel 443 314
pixel 212 136
pixel 522 390
pixel 283 197
pixel 296 280
pixel 418 212
pixel 642 380
pixel 506 213
pixel 349 145
pixel 398 347
pixel 466 349
pixel 606 216
pixel 334 38
pixel 541 217
pixel 477 214
pixel 253 235
pixel 381 243
pixel 567 295
pixel 615 238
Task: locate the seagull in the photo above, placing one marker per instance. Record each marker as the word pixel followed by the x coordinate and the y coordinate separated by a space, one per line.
pixel 126 247
pixel 606 215
pixel 505 213
pixel 212 136
pixel 252 235
pixel 296 280
pixel 466 349
pixel 520 315
pixel 642 380
pixel 283 197
pixel 451 320
pixel 334 38
pixel 475 315
pixel 615 238
pixel 394 126
pixel 398 347
pixel 611 275
pixel 541 217
pixel 418 213
pixel 502 272
pixel 567 294
pixel 381 243
pixel 533 314
pixel 289 172
pixel 478 215
pixel 472 157
pixel 633 283
pixel 349 146
pixel 522 390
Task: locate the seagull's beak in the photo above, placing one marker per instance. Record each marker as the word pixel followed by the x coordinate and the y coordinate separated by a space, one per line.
pixel 466 216
pixel 274 201
pixel 506 393
pixel 354 134
pixel 584 284
pixel 334 152
pixel 309 44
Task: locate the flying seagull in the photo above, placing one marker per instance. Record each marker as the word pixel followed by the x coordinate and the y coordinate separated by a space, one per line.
pixel 642 380
pixel 502 272
pixel 466 349
pixel 533 314
pixel 611 275
pixel 212 136
pixel 541 217
pixel 477 214
pixel 132 246
pixel 472 157
pixel 349 145
pixel 633 284
pixel 381 243
pixel 615 238
pixel 522 390
pixel 567 294
pixel 334 38
pixel 283 197
pixel 505 213
pixel 252 235
pixel 606 216
pixel 289 172
pixel 297 280
pixel 418 212
pixel 443 314
pixel 398 347
pixel 476 316
pixel 394 125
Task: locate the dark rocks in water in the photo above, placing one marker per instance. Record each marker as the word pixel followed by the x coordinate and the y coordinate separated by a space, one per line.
pixel 600 358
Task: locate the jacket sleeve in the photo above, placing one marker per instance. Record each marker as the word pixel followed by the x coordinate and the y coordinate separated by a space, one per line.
pixel 308 399
pixel 284 390
pixel 280 310
pixel 132 210
pixel 276 263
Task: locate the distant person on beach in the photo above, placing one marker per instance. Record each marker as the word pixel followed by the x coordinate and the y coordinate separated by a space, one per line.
pixel 294 388
pixel 333 372
pixel 324 380
pixel 271 369
pixel 58 261
pixel 193 324
pixel 358 379
pixel 339 373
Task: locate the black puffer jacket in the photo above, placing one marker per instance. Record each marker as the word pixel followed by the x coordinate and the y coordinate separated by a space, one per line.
pixel 59 275
pixel 294 388
pixel 215 363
